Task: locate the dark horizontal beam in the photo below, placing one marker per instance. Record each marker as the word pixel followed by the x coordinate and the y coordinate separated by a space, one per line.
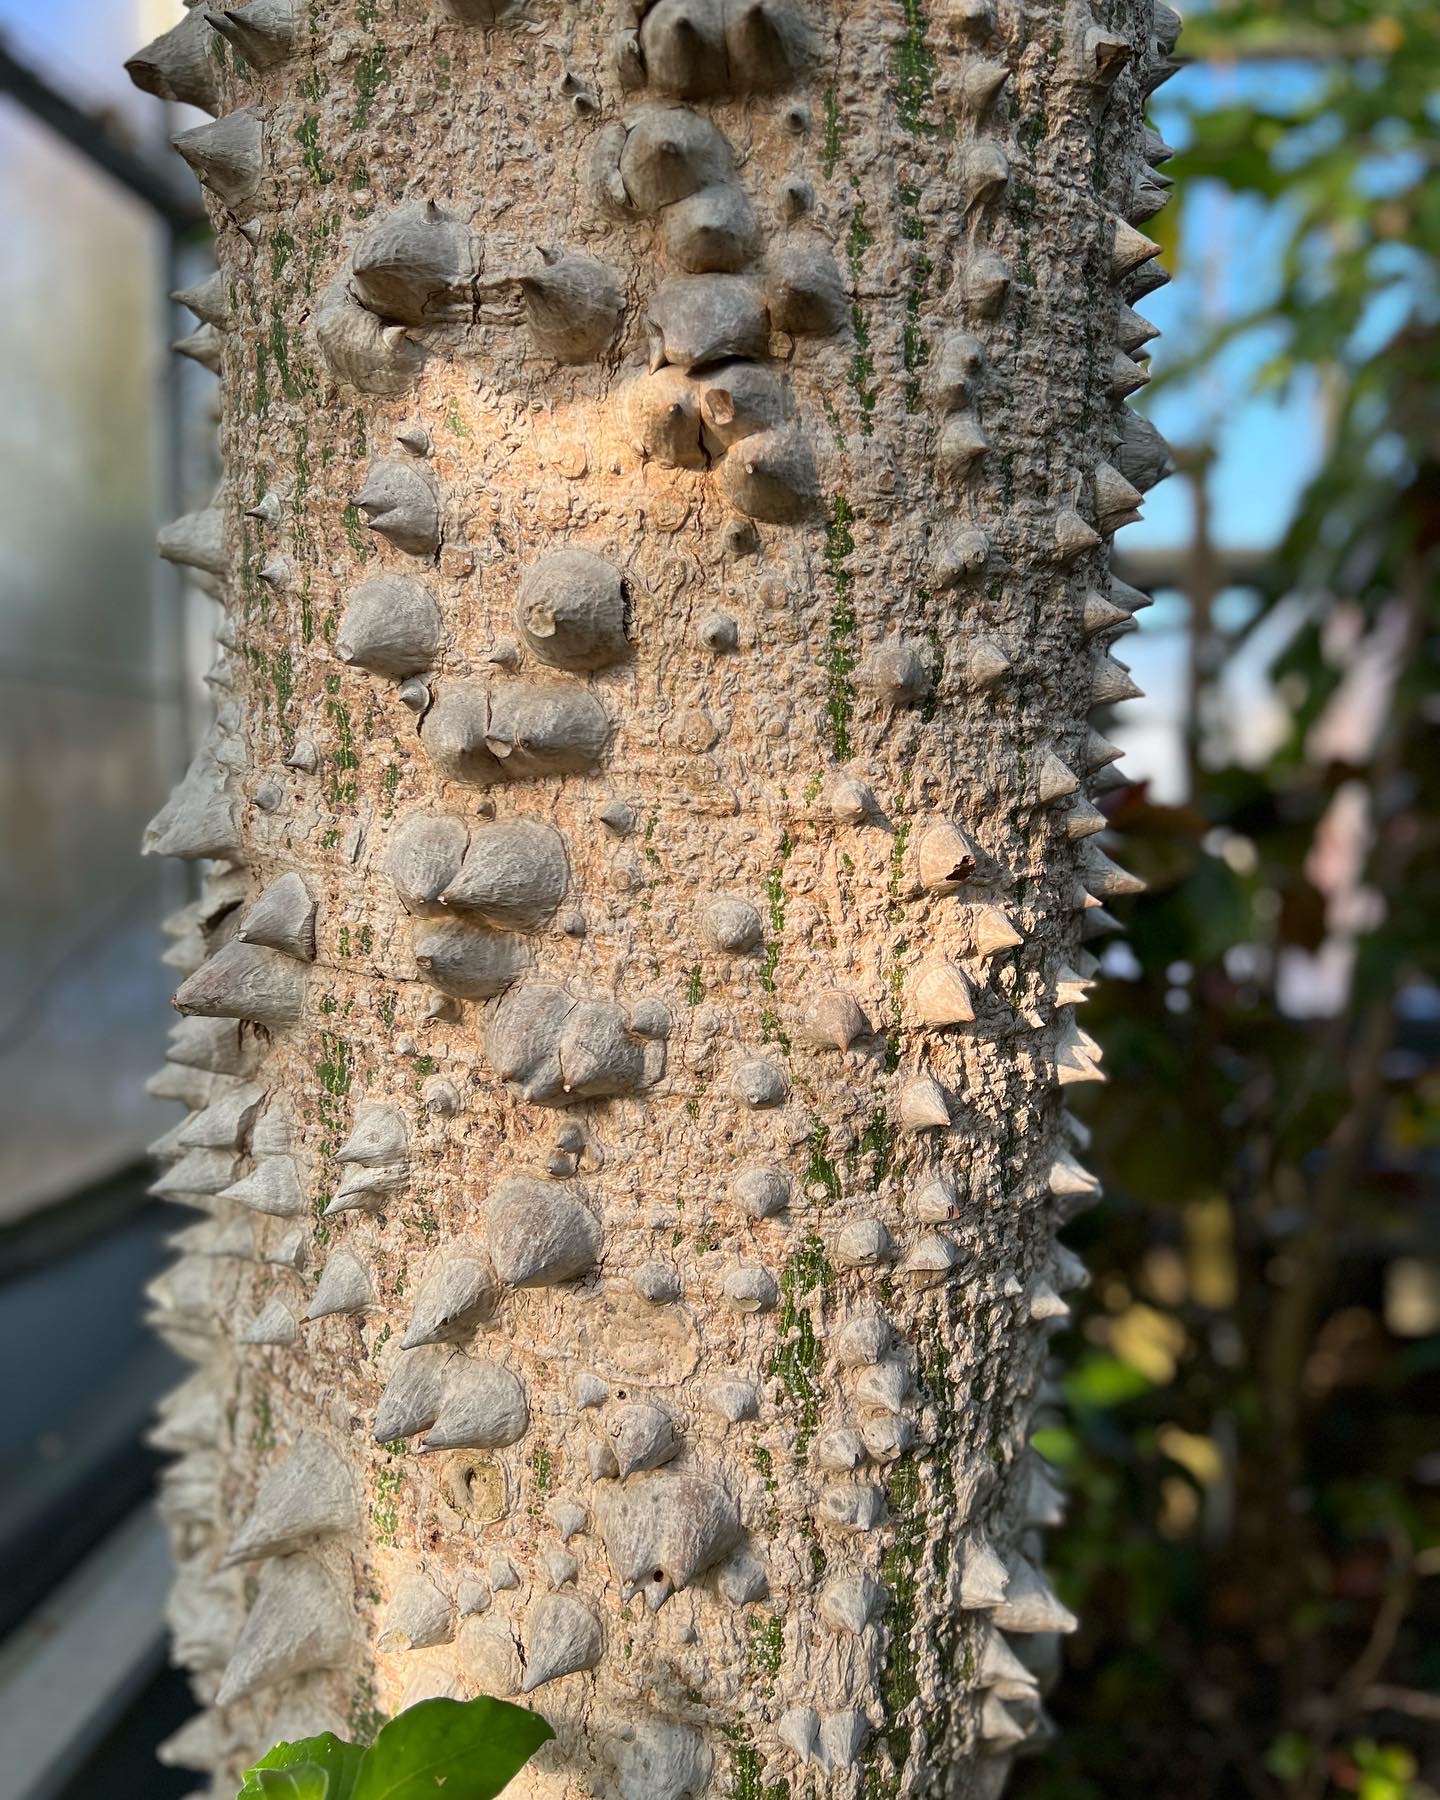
pixel 1173 566
pixel 174 196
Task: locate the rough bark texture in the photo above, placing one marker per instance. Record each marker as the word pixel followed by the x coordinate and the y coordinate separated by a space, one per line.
pixel 632 991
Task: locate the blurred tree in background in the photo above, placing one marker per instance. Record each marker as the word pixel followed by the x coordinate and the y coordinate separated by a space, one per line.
pixel 1252 1420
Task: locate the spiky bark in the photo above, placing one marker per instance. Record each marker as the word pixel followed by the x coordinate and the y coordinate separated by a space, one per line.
pixel 651 857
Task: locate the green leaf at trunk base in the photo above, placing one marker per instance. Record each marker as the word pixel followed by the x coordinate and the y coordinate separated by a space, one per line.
pixel 336 1762
pixel 304 1783
pixel 450 1750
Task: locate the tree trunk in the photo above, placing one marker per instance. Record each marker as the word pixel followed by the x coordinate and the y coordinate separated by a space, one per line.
pixel 669 457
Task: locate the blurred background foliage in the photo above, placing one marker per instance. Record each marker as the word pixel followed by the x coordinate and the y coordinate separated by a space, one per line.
pixel 1251 1427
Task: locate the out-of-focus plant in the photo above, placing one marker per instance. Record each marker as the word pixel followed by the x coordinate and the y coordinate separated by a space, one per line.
pixel 1252 1437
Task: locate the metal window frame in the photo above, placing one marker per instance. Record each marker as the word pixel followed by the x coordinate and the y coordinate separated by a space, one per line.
pixel 104 1613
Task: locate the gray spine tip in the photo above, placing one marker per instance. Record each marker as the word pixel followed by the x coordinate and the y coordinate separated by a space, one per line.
pixel 805 290
pixel 657 1282
pixel 643 1437
pixel 311 1494
pixel 695 320
pixel 269 509
pixel 864 1243
pixel 299 1623
pixel 761 1193
pixel 344 1287
pixel 417 1618
pixel 262 31
pixel 734 1401
pixel 425 855
pixel 539 1234
pixel 945 859
pixel 283 918
pixel 940 995
pixel 985 283
pixel 750 1290
pixel 897 672
pixel 662 1531
pixel 245 981
pixel 572 609
pixel 359 349
pixel 417 266
pixel 923 1106
pixel 771 476
pixel 272 1187
pixel 833 1021
pixel 401 502
pixel 197 541
pixel 391 626
pixel 961 557
pixel 486 735
pixel 850 1602
pixel 732 925
pixel 226 155
pixel 178 66
pixel 561 1637
pixel 760 1084
pixel 573 307
pixel 274 1324
pixel 1028 1604
pixel 1073 537
pixel 465 962
pixel 378 1136
pixel 413 1395
pixel 483 1407
pixel 452 1302
pixel 203 346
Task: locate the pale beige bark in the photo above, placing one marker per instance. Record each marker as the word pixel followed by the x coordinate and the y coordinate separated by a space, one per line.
pixel 728 1186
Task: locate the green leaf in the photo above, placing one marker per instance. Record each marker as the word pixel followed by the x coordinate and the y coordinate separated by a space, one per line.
pixel 337 1762
pixel 1289 1756
pixel 307 1782
pixel 1057 1444
pixel 1104 1381
pixel 450 1750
